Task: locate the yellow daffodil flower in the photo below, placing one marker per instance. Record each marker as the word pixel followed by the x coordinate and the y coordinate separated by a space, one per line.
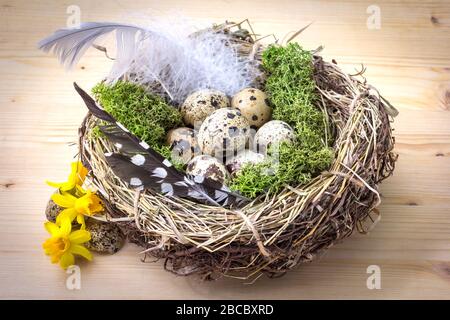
pixel 76 178
pixel 88 204
pixel 64 244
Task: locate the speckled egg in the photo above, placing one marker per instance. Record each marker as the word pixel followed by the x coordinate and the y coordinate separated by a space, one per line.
pixel 105 237
pixel 52 210
pixel 254 106
pixel 201 104
pixel 205 166
pixel 242 158
pixel 183 143
pixel 223 133
pixel 273 133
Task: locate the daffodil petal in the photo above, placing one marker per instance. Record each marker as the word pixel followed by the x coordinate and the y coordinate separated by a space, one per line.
pixel 54 259
pixel 81 191
pixel 67 260
pixel 81 251
pixel 74 166
pixel 46 247
pixel 81 173
pixel 69 213
pixel 81 221
pixel 79 236
pixel 54 184
pixel 67 186
pixel 96 204
pixel 51 228
pixel 65 200
pixel 66 226
pixel 78 173
pixel 59 217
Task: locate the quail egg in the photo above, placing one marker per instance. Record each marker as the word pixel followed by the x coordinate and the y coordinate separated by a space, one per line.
pixel 242 158
pixel 273 133
pixel 205 166
pixel 105 237
pixel 223 133
pixel 253 104
pixel 52 210
pixel 201 104
pixel 183 143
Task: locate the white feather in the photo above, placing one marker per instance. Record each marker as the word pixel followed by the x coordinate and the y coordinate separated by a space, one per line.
pixel 183 63
pixel 70 44
pixel 126 43
pixel 162 52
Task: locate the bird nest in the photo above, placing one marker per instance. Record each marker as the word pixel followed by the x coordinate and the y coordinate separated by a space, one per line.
pixel 273 233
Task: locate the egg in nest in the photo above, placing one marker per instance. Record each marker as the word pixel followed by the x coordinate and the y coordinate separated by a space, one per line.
pixel 201 104
pixel 205 166
pixel 224 133
pixel 254 106
pixel 183 144
pixel 244 157
pixel 273 133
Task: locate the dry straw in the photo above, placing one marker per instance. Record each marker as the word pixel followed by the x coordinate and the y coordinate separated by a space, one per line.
pixel 272 234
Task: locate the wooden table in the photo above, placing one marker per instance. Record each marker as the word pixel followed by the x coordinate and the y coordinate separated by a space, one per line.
pixel 408 59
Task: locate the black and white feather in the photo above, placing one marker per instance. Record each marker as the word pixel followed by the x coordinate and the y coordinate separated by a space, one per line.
pixel 142 167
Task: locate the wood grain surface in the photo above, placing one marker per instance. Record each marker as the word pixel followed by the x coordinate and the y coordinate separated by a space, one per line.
pixel 407 59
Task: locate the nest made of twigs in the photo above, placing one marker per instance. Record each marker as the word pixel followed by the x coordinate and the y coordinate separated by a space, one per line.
pixel 272 234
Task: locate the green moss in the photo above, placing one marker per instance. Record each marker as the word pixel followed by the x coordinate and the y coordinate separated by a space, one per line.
pixel 291 90
pixel 291 166
pixel 253 180
pixel 147 116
